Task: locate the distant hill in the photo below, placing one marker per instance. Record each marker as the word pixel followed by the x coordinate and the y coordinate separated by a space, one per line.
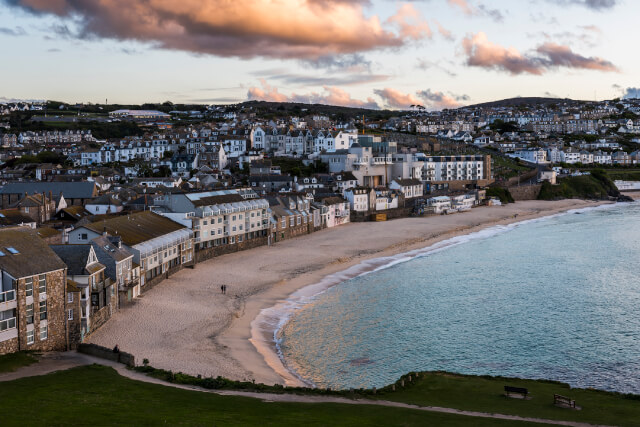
pixel 298 109
pixel 520 101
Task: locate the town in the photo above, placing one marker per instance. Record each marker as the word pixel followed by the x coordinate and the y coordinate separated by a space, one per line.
pixel 97 206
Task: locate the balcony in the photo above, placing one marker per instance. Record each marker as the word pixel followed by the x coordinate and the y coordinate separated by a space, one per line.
pixel 382 160
pixel 7 296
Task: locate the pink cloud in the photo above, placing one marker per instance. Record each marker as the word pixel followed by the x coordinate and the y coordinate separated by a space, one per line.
pixel 481 52
pixel 305 29
pixel 330 96
pixel 395 99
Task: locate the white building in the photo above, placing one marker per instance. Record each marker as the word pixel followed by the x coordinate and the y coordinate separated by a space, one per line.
pixel 533 155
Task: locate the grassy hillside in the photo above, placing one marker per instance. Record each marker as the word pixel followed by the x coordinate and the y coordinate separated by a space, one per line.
pixel 97 395
pixel 100 396
pixel 598 185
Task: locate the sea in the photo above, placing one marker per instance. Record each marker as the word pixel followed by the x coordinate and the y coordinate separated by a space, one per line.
pixel 554 298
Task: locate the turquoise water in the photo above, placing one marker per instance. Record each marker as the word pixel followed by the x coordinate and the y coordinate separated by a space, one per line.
pixel 557 298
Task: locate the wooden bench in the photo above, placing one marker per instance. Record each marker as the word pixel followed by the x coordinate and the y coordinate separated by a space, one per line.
pixel 517 391
pixel 564 401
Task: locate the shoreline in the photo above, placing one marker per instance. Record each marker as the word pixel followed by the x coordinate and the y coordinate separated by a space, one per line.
pixel 184 324
pixel 267 325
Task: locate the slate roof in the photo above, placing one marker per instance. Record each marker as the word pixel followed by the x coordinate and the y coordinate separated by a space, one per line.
pixel 76 258
pixel 70 190
pixel 34 255
pixel 218 200
pixel 136 228
pixel 105 200
pixel 109 253
pixel 408 182
pixel 13 217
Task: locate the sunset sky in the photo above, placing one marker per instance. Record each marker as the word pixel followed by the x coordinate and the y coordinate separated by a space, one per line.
pixel 371 53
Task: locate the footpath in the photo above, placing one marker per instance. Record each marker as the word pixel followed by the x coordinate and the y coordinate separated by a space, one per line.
pixel 53 362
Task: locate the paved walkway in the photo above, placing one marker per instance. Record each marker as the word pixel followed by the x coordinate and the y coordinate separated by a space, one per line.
pixel 52 362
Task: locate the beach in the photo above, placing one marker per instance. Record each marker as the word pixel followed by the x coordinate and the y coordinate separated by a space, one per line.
pixel 186 324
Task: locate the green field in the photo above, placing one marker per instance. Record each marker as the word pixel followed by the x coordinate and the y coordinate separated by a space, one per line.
pixel 13 361
pixel 485 394
pixel 98 395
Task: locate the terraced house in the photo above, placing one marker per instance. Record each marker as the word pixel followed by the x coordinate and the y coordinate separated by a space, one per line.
pixel 225 219
pixel 159 245
pixel 32 294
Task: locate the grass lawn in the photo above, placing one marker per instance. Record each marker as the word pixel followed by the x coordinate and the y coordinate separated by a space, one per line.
pixel 97 395
pixel 486 394
pixel 13 361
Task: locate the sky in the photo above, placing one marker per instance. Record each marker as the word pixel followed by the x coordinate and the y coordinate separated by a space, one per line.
pixel 362 53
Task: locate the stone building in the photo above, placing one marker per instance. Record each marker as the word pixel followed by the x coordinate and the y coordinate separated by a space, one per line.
pixel 32 294
pixel 98 294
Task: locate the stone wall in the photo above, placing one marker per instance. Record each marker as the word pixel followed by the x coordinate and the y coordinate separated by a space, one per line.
pixel 56 314
pixel 525 192
pixel 98 318
pixel 74 326
pixel 370 216
pixel 108 354
pixel 9 346
pixel 215 251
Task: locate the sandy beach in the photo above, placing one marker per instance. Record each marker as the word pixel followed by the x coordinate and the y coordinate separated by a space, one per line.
pixel 185 323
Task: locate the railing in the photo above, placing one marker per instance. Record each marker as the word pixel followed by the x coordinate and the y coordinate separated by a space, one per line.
pixel 7 296
pixel 7 324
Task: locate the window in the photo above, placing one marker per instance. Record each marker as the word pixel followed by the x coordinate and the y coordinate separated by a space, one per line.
pixel 29 314
pixel 42 284
pixel 28 286
pixel 83 236
pixel 299 220
pixel 70 314
pixel 43 333
pixel 284 223
pixel 43 310
pixel 292 221
pixel 233 218
pixel 31 337
pixel 12 250
pixel 240 216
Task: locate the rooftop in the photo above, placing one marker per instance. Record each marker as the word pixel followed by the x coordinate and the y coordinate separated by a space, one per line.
pixel 29 254
pixel 136 228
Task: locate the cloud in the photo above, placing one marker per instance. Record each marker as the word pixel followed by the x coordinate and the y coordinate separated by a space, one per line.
pixel 15 32
pixel 330 96
pixel 439 101
pixel 562 56
pixel 481 10
pixel 410 22
pixel 325 80
pixel 302 29
pixel 425 64
pixel 463 5
pixel 597 5
pixel 481 52
pixel 444 32
pixel 355 62
pixel 631 93
pixel 393 98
